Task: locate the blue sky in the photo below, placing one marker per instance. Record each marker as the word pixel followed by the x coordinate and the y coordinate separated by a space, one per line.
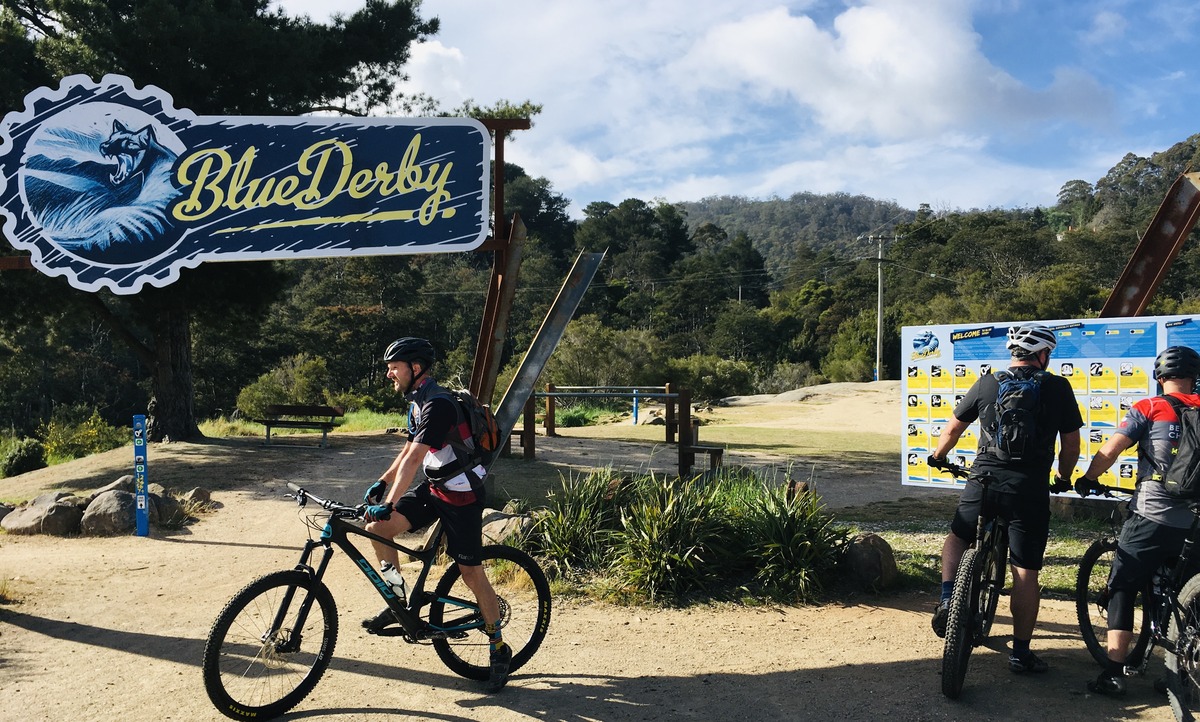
pixel 956 103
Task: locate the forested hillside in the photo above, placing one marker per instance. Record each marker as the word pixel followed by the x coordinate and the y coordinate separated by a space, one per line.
pixel 724 296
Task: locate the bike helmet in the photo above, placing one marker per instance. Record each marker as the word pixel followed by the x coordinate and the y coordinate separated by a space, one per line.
pixel 1177 362
pixel 411 349
pixel 1029 339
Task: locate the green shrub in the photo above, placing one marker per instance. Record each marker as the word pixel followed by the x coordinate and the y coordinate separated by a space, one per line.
pixel 22 456
pixel 300 379
pixel 793 544
pixel 660 540
pixel 786 377
pixel 711 377
pixel 66 440
pixel 580 415
pixel 672 534
pixel 576 527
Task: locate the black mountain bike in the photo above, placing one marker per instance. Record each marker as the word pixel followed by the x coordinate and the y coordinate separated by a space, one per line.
pixel 977 588
pixel 1168 616
pixel 272 642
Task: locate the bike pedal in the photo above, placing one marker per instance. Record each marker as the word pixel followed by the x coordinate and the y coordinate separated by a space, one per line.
pixel 393 631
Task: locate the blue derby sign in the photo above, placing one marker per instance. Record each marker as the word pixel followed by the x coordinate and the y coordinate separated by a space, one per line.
pixel 112 187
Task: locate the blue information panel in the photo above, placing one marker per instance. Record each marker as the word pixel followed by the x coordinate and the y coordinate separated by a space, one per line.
pixel 139 476
pixel 1109 362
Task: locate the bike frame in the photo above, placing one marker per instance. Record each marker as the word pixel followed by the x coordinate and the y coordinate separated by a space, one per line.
pixel 337 532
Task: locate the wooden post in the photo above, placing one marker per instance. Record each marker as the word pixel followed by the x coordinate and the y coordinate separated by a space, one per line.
pixel 687 457
pixel 670 414
pixel 548 422
pixel 529 433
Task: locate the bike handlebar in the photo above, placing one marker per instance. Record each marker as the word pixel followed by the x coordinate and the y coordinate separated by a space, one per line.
pixel 1098 489
pixel 339 509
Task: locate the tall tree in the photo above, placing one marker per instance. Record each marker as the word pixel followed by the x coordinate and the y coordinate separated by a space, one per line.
pixel 228 57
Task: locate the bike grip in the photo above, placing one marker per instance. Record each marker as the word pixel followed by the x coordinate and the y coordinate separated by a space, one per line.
pixel 294 486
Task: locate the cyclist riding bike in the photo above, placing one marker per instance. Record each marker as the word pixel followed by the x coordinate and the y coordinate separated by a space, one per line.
pixel 1019 488
pixel 453 490
pixel 1158 523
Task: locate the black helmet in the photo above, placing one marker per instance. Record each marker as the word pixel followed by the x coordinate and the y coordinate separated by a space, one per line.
pixel 411 349
pixel 1177 362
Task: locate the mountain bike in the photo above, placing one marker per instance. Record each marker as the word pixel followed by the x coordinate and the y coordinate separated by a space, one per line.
pixel 1169 617
pixel 274 639
pixel 1092 593
pixel 977 588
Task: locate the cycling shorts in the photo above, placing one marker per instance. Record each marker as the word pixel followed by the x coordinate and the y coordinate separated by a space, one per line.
pixel 1028 518
pixel 1141 549
pixel 463 524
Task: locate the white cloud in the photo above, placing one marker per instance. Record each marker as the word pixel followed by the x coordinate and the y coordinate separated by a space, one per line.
pixel 889 98
pixel 1107 27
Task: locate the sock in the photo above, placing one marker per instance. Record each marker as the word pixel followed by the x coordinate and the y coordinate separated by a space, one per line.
pixel 1116 669
pixel 1020 647
pixel 495 638
pixel 947 590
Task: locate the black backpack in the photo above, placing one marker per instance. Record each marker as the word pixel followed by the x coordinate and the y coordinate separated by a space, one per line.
pixel 1014 433
pixel 485 433
pixel 1182 477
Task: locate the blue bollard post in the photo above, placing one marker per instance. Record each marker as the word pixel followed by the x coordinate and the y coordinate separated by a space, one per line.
pixel 635 400
pixel 141 495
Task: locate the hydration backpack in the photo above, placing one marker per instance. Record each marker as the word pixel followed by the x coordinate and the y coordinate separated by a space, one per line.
pixel 1182 478
pixel 485 433
pixel 1014 435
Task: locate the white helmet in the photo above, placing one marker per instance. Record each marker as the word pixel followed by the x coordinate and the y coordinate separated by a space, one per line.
pixel 1030 338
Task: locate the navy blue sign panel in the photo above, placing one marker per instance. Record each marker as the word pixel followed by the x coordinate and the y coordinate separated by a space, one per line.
pixel 112 187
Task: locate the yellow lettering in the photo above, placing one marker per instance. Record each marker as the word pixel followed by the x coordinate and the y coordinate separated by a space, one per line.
pixel 212 180
pixel 241 194
pixel 313 196
pixel 206 195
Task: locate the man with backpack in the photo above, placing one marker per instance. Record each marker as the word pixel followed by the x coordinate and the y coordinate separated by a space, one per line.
pixel 440 443
pixel 1021 411
pixel 1159 517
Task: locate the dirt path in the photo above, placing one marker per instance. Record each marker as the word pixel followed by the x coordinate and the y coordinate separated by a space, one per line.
pixel 114 628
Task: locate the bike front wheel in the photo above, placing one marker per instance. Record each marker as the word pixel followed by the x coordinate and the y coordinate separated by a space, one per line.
pixel 960 623
pixel 270 645
pixel 524 598
pixel 1091 605
pixel 1183 667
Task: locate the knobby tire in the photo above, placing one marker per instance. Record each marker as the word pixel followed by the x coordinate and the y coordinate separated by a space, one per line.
pixel 1091 605
pixel 524 598
pixel 960 624
pixel 252 673
pixel 1183 667
pixel 992 584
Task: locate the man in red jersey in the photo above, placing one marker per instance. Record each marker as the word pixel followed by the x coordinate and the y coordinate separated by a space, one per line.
pixel 1158 522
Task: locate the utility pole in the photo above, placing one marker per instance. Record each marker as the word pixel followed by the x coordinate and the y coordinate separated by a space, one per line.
pixel 879 313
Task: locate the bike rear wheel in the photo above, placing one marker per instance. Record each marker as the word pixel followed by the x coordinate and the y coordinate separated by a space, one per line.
pixel 991 585
pixel 255 668
pixel 960 623
pixel 1183 667
pixel 524 597
pixel 1091 605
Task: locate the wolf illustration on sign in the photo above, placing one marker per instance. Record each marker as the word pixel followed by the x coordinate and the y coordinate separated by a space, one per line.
pixel 111 211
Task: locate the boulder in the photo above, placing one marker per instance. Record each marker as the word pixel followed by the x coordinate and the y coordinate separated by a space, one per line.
pixel 114 512
pixel 197 495
pixel 170 511
pixel 57 514
pixel 125 483
pixel 870 562
pixel 499 526
pixel 4 509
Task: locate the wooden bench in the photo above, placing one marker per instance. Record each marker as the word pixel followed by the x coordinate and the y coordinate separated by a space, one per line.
pixel 289 416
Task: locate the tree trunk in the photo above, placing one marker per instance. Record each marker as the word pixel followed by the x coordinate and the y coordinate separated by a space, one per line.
pixel 171 412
